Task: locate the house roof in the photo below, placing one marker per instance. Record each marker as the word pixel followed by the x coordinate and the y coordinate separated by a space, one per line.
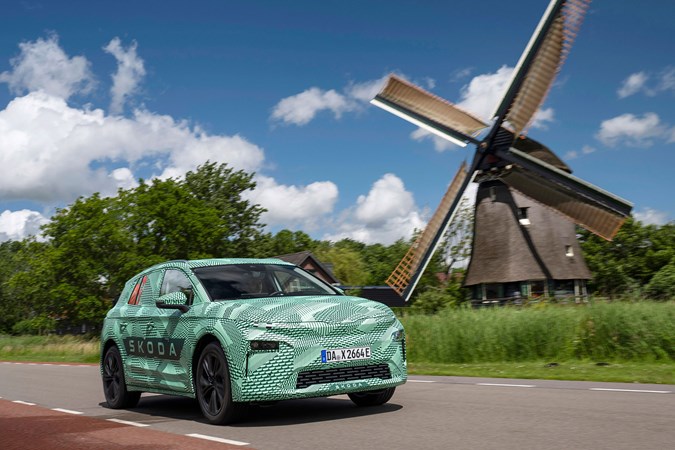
pixel 301 258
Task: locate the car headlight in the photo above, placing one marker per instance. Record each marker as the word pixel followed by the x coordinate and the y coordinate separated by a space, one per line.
pixel 398 335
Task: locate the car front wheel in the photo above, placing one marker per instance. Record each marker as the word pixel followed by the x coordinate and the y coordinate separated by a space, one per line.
pixel 114 386
pixel 372 398
pixel 212 383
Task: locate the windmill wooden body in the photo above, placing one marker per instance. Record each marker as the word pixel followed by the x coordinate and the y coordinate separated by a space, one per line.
pixel 520 180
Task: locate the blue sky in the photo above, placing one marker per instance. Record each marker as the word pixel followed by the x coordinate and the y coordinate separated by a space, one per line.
pixel 94 95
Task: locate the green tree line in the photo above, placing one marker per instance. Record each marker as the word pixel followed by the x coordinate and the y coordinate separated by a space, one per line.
pixel 72 274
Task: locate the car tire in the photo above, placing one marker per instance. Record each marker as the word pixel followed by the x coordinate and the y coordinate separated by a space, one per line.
pixel 372 398
pixel 213 387
pixel 114 385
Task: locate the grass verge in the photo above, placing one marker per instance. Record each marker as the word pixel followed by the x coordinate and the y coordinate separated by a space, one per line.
pixel 622 372
pixel 68 349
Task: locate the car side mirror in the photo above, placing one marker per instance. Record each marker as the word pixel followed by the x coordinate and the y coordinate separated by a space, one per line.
pixel 174 300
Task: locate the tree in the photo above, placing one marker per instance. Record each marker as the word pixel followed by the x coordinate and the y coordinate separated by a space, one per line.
pixel 285 242
pixel 97 243
pixel 458 238
pixel 631 259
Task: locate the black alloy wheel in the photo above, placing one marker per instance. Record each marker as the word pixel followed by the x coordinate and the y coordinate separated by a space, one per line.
pixel 212 382
pixel 372 398
pixel 114 386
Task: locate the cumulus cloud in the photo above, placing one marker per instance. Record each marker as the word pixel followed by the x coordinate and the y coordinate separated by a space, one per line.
pixel 287 205
pixel 387 213
pixel 43 65
pixel 650 84
pixel 633 84
pixel 481 96
pixel 130 72
pixel 302 108
pixel 633 131
pixel 650 216
pixel 54 148
pixel 16 225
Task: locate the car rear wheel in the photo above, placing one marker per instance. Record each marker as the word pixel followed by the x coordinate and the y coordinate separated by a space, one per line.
pixel 114 385
pixel 212 383
pixel 372 398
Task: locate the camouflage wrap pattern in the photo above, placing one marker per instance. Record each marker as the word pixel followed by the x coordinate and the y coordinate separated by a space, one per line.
pixel 159 347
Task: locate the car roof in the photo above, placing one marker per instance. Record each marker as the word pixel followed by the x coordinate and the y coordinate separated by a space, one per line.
pixel 196 263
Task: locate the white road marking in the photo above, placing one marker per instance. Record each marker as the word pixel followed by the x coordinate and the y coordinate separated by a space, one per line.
pixel 21 402
pixel 645 391
pixel 126 422
pixel 421 381
pixel 507 385
pixel 68 411
pixel 216 439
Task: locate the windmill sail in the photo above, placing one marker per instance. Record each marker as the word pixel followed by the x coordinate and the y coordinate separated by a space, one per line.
pixel 428 111
pixel 583 203
pixel 406 275
pixel 540 63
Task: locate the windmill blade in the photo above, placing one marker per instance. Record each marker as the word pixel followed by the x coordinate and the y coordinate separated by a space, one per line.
pixel 583 203
pixel 540 63
pixel 428 111
pixel 408 272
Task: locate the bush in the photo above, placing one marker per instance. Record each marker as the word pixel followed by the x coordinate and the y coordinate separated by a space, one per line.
pixel 37 325
pixel 662 284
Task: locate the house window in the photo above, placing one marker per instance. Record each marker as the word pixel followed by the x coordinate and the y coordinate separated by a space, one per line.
pixel 569 251
pixel 523 217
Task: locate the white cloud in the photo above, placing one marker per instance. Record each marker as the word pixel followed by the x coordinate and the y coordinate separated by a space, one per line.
pixel 287 205
pixel 542 117
pixel 649 216
pixel 300 109
pixel 130 72
pixel 387 213
pixel 366 91
pixel 650 84
pixel 632 130
pixel 17 225
pixel 483 93
pixel 633 84
pixel 52 148
pixel 43 65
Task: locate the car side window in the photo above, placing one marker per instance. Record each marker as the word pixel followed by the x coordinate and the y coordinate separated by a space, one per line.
pixel 135 298
pixel 175 281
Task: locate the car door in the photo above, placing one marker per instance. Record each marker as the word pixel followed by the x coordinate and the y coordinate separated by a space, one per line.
pixel 175 335
pixel 136 326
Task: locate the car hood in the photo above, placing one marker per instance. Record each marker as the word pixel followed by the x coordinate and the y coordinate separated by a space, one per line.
pixel 301 309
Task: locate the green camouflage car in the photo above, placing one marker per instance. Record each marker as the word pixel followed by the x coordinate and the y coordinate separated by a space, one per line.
pixel 234 331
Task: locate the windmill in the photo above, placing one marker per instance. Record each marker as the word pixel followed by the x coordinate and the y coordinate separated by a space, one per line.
pixel 505 161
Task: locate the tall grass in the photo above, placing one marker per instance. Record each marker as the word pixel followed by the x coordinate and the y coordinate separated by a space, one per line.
pixel 643 331
pixel 49 348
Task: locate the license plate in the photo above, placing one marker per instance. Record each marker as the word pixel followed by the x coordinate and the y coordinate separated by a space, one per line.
pixel 345 354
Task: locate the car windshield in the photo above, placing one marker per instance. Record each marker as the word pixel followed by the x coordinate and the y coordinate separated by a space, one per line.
pixel 239 281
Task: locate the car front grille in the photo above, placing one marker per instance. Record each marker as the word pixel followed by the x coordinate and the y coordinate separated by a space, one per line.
pixel 309 378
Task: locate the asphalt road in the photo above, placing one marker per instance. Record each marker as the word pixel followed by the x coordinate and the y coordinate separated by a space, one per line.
pixel 426 413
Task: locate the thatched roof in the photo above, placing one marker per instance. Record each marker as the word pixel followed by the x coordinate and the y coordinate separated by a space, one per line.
pixel 506 251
